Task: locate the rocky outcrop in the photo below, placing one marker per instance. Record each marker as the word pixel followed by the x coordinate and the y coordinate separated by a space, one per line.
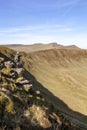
pixel 20 71
pixel 8 64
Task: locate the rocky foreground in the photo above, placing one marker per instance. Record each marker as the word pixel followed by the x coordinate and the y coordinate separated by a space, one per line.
pixel 22 107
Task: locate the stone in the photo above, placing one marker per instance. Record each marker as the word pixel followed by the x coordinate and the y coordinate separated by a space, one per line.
pixel 13 74
pixel 38 92
pixel 1 59
pixel 22 82
pixel 8 64
pixel 27 87
pixel 0 77
pixel 20 71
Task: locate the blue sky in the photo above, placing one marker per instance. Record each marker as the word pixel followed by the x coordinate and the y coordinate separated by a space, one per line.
pixel 43 21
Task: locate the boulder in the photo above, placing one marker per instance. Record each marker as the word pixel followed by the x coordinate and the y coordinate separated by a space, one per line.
pixel 27 87
pixel 1 59
pixel 22 82
pixel 38 93
pixel 20 71
pixel 13 74
pixel 8 64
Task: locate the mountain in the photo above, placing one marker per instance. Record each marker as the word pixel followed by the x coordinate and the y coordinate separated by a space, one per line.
pixel 38 46
pixel 63 73
pixel 34 47
pixel 59 75
pixel 72 47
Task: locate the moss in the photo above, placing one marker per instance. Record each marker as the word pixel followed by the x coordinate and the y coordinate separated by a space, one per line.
pixel 39 101
pixel 19 79
pixel 10 107
pixel 6 103
pixel 1 59
pixel 6 71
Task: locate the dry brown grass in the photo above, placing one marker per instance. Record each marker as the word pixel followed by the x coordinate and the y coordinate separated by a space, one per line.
pixel 63 72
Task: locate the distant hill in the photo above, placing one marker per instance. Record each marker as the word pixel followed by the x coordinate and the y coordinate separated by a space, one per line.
pixel 39 46
pixel 72 47
pixel 34 47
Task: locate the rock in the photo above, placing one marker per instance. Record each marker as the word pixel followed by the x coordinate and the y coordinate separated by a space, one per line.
pixel 17 127
pixel 20 71
pixel 27 87
pixel 8 64
pixel 1 63
pixel 22 82
pixel 1 59
pixel 13 74
pixel 1 66
pixel 35 123
pixel 3 89
pixel 0 77
pixel 38 92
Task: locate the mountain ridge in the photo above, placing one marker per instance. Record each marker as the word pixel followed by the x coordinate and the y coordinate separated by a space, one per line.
pixel 63 73
pixel 23 107
pixel 40 46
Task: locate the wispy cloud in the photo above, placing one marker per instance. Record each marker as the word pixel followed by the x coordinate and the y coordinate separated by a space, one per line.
pixel 47 33
pixel 37 28
pixel 32 34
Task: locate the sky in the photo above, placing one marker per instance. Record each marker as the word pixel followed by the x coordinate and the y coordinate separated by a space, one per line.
pixel 43 21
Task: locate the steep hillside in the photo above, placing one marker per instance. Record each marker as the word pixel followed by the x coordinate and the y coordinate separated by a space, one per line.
pixel 63 72
pixel 60 76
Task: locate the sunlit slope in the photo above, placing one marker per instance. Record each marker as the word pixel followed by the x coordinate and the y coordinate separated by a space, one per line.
pixel 64 73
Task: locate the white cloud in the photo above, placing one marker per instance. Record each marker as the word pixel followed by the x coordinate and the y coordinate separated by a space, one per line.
pixel 43 34
pixel 38 28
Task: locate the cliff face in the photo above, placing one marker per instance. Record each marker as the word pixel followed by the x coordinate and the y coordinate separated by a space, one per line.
pixel 22 105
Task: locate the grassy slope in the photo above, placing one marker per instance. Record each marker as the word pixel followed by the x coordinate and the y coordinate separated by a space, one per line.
pixel 63 72
pixel 69 84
